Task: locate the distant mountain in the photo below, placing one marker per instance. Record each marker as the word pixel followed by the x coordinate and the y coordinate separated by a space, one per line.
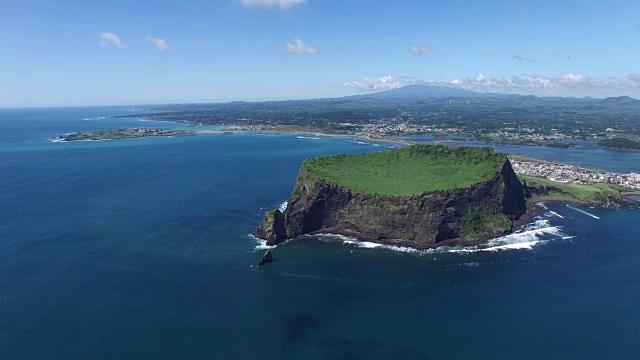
pixel 619 100
pixel 423 91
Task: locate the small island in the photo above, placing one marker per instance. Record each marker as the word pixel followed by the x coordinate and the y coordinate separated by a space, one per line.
pixel 421 196
pixel 122 134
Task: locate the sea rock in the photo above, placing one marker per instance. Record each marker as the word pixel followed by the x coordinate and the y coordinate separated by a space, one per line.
pixel 272 228
pixel 266 258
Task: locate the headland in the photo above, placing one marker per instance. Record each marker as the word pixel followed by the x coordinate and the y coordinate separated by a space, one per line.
pixel 421 196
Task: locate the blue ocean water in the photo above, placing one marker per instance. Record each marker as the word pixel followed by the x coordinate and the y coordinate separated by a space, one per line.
pixel 141 249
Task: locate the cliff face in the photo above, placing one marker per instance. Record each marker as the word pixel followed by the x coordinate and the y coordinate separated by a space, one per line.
pixel 463 215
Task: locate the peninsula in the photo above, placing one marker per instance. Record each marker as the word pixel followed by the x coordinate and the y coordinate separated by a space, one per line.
pixel 122 134
pixel 421 196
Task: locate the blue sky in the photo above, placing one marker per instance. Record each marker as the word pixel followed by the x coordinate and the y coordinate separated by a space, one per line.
pixel 122 52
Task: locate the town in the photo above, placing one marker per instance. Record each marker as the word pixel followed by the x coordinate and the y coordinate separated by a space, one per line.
pixel 572 174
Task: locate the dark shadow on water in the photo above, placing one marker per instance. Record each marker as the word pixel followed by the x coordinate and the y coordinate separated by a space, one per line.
pixel 339 348
pixel 298 328
pixel 342 295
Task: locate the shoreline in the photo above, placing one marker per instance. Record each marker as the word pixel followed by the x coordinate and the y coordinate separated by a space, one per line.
pixel 238 131
pixel 310 132
pixel 526 219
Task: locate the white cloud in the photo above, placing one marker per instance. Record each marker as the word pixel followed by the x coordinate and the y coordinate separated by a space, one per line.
pixel 299 47
pixel 107 38
pixel 571 78
pixel 419 49
pixel 367 83
pixel 282 4
pixel 160 44
pixel 569 84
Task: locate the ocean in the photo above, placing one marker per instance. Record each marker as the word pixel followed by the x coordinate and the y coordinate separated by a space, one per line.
pixel 141 248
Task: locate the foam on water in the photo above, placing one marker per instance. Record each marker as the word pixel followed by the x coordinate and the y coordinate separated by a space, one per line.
pixel 582 211
pixel 261 244
pixel 86 140
pixel 308 137
pixel 283 206
pixel 346 240
pixel 359 142
pixel 556 214
pixel 526 238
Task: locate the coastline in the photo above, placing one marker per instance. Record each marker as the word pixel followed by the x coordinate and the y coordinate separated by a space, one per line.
pixel 528 218
pixel 63 138
pixel 310 132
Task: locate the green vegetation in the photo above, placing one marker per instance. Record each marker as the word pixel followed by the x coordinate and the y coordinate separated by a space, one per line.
pixel 410 171
pixel 123 134
pixel 620 143
pixel 478 224
pixel 595 193
pixel 270 216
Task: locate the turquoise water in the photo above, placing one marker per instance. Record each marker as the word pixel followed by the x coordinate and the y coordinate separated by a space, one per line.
pixel 140 249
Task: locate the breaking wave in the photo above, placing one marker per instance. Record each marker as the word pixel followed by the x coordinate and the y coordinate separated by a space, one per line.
pixel 526 238
pixel 346 240
pixel 534 234
pixel 582 211
pixel 359 142
pixel 261 244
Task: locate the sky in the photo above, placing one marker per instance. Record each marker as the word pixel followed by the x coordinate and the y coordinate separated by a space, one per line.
pixel 78 52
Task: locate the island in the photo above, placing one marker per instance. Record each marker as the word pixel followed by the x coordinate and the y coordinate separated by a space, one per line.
pixel 620 143
pixel 421 196
pixel 122 134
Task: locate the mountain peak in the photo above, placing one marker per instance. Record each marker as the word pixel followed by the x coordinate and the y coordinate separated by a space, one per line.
pixel 620 100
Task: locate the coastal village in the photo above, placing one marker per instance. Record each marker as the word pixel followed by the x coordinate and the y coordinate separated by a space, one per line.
pixel 395 127
pixel 572 174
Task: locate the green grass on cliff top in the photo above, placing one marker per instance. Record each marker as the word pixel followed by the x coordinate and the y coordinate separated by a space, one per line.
pixel 568 191
pixel 409 171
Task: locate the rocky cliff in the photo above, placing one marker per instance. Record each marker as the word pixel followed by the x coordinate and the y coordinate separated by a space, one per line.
pixel 467 214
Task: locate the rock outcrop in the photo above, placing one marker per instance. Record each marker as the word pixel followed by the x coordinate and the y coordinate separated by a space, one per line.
pixel 266 258
pixel 465 215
